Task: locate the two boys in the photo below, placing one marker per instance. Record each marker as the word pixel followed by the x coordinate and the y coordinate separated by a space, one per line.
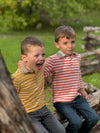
pixel 69 97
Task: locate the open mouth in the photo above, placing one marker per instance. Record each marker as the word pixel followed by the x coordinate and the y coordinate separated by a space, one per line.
pixel 39 66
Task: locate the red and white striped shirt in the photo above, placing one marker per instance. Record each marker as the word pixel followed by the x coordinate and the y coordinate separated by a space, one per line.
pixel 66 76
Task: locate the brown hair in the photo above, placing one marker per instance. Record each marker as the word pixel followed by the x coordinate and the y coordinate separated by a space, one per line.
pixel 30 41
pixel 64 31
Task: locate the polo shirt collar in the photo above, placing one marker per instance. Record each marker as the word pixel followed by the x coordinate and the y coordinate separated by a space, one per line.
pixel 25 70
pixel 61 54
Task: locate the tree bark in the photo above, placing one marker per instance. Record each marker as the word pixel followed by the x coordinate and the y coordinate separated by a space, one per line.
pixel 13 117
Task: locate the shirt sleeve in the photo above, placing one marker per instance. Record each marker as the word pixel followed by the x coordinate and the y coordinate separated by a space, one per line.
pixel 48 67
pixel 81 81
pixel 15 83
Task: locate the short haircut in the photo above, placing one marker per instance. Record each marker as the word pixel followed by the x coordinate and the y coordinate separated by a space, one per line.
pixel 64 31
pixel 30 41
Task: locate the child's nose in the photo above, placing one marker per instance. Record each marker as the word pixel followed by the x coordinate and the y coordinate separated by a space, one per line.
pixel 41 57
pixel 69 44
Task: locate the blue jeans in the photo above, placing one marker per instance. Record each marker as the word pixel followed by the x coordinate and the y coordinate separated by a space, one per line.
pixel 45 122
pixel 71 111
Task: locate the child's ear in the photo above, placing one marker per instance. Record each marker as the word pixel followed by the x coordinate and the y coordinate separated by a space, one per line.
pixel 22 63
pixel 24 58
pixel 57 45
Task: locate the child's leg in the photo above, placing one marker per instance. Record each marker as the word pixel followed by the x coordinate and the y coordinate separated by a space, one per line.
pixel 68 111
pixel 45 122
pixel 51 123
pixel 89 114
pixel 36 121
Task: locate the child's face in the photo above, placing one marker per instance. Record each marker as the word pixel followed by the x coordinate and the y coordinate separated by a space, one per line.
pixel 35 58
pixel 67 46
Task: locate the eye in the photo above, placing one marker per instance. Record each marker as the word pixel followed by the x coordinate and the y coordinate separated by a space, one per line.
pixel 65 43
pixel 36 55
pixel 43 55
pixel 73 42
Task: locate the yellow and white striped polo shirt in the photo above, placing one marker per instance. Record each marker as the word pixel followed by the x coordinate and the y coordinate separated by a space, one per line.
pixel 30 88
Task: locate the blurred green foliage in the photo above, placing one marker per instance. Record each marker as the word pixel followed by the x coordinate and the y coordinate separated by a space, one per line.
pixel 23 14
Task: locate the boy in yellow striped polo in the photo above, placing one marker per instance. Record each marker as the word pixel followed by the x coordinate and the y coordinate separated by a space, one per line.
pixel 29 83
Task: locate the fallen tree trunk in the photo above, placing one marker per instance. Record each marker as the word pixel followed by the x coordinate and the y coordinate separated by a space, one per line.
pixel 13 117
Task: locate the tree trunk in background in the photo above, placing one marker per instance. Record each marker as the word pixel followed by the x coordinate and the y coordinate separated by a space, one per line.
pixel 13 117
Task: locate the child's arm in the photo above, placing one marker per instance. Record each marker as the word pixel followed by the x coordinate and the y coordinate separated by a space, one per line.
pixel 48 67
pixel 81 90
pixel 83 93
pixel 15 83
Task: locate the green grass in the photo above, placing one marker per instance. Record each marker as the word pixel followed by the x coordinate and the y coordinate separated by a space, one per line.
pixel 48 99
pixel 93 79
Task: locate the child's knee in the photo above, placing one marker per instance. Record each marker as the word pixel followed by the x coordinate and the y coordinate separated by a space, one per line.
pixel 74 126
pixel 61 130
pixel 77 124
pixel 94 119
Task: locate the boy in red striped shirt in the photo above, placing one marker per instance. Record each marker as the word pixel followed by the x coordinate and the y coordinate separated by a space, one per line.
pixel 69 97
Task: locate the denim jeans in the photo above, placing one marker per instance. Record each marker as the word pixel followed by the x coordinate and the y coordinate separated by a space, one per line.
pixel 45 122
pixel 71 111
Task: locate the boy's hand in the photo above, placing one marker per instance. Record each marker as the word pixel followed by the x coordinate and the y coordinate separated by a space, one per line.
pixel 83 93
pixel 21 64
